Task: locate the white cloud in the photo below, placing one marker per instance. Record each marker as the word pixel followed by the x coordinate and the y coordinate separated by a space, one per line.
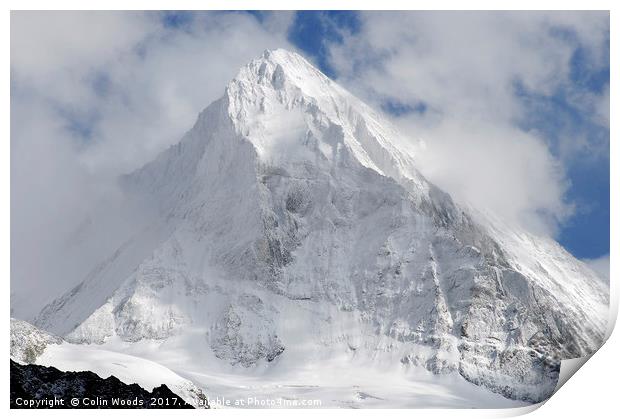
pixel 464 67
pixel 134 86
pixel 156 79
pixel 600 266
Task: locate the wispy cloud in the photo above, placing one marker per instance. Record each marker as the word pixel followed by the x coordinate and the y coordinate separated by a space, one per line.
pixel 600 266
pixel 471 72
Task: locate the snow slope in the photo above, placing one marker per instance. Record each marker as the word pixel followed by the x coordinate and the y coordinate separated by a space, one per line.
pixel 295 230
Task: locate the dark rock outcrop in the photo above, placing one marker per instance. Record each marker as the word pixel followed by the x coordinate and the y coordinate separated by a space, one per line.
pixel 36 386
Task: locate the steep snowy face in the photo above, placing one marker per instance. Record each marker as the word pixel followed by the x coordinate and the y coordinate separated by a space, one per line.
pixel 295 228
pixel 292 113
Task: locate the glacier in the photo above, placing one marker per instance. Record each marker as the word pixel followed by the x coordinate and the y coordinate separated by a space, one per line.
pixel 295 234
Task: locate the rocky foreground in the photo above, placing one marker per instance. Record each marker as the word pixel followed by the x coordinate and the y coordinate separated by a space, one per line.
pixel 39 387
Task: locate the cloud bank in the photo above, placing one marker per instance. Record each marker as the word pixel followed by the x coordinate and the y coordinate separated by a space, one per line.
pixel 96 95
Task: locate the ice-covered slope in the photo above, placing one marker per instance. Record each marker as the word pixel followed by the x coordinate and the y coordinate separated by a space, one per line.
pixel 295 229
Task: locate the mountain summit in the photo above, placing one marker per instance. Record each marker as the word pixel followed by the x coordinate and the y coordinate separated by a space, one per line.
pixel 295 230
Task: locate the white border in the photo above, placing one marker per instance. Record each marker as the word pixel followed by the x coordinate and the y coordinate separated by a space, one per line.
pixel 593 393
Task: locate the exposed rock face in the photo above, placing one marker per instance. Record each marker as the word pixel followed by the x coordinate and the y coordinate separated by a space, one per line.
pixel 245 333
pixel 32 383
pixel 294 225
pixel 28 342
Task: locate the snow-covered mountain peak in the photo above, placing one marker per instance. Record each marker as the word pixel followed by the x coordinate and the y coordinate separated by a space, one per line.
pixel 280 68
pixel 292 113
pixel 295 228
